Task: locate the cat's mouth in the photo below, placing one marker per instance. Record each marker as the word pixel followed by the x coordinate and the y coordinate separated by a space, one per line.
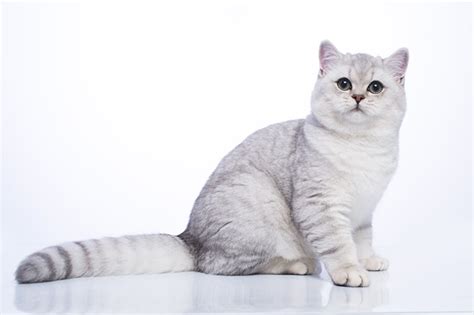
pixel 356 109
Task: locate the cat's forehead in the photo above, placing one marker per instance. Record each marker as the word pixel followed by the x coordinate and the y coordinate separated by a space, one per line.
pixel 361 67
pixel 362 62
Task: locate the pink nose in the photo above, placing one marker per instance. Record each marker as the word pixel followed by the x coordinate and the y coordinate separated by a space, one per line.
pixel 358 97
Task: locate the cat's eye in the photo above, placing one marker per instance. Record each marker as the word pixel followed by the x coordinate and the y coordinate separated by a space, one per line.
pixel 344 84
pixel 375 87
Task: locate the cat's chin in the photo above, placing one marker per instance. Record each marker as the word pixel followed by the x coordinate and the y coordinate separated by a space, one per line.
pixel 356 116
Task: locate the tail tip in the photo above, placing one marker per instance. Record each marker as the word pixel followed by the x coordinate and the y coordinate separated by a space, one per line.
pixel 27 273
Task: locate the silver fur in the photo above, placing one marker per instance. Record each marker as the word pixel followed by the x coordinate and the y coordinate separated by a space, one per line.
pixel 289 195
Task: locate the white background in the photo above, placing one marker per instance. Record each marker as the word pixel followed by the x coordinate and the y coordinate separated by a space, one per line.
pixel 115 113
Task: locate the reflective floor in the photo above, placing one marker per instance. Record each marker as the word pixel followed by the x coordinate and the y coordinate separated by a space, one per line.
pixel 393 291
pixel 430 272
pixel 185 292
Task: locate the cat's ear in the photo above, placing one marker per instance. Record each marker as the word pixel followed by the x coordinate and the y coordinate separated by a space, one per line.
pixel 328 56
pixel 397 64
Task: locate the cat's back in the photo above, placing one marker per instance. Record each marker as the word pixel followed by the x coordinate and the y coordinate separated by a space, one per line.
pixel 267 148
pixel 262 159
pixel 274 134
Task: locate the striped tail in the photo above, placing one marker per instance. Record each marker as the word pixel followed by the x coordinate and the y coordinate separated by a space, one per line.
pixel 154 253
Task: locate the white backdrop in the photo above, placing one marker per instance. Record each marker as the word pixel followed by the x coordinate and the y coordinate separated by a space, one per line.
pixel 115 113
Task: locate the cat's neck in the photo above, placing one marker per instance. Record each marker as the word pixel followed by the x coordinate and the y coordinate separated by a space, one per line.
pixel 374 135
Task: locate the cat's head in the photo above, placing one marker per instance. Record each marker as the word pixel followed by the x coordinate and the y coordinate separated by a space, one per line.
pixel 359 93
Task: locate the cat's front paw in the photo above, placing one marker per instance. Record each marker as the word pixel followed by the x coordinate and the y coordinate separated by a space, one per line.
pixel 375 263
pixel 352 276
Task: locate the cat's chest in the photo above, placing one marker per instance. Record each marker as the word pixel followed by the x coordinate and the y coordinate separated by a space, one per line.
pixel 365 193
pixel 365 175
pixel 366 187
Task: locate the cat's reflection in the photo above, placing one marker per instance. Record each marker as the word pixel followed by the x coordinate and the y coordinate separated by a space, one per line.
pixel 183 292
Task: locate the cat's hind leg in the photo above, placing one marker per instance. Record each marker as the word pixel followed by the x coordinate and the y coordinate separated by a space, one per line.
pixel 274 254
pixel 242 223
pixel 280 265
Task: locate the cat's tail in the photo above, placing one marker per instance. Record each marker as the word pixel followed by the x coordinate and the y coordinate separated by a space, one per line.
pixel 154 253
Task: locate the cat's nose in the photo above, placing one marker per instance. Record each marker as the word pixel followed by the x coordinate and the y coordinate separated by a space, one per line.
pixel 358 97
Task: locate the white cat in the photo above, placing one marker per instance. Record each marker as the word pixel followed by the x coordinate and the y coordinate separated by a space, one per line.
pixel 289 195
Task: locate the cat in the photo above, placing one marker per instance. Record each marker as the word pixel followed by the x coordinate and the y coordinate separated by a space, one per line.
pixel 291 196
